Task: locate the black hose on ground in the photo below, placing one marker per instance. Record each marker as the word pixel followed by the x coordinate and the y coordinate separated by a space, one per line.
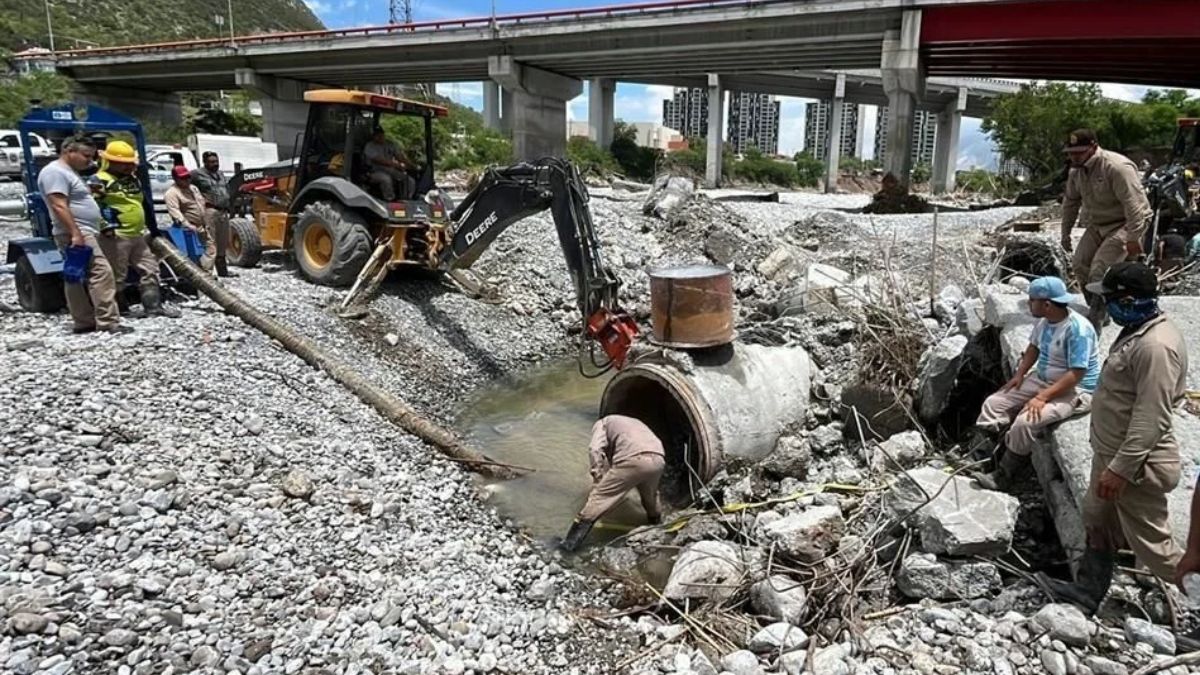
pixel 392 408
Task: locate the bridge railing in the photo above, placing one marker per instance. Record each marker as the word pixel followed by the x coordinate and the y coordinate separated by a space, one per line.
pixel 657 7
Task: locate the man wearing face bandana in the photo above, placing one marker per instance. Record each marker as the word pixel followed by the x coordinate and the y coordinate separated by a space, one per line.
pixel 1107 187
pixel 1136 461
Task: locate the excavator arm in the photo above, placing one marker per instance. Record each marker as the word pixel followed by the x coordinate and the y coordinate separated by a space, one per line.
pixel 507 195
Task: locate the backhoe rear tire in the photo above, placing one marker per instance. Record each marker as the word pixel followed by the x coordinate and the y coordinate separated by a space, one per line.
pixel 245 244
pixel 331 243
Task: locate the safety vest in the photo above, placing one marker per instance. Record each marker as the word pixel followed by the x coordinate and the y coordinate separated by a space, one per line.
pixel 123 194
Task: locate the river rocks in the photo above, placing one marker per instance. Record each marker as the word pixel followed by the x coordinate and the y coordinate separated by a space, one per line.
pixel 778 637
pixel 952 514
pixel 789 459
pixel 227 560
pixel 24 623
pixel 779 597
pixel 705 570
pixel 808 535
pixel 937 371
pixel 1138 631
pixel 1065 622
pixel 922 575
pixel 119 637
pixel 741 662
pixel 1102 666
pixel 298 484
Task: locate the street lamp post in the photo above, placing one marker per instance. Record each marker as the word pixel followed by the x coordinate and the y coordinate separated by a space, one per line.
pixel 49 26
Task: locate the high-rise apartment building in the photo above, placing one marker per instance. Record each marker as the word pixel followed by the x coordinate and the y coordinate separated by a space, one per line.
pixel 924 136
pixel 753 123
pixel 687 112
pixel 817 118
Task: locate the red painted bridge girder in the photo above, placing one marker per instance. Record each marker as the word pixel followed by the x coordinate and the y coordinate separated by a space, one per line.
pixel 1134 41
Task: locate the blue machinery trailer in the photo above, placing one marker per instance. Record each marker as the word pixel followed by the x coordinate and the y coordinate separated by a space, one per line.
pixel 38 262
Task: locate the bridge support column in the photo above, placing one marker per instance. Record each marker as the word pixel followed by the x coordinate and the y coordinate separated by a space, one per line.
pixel 945 149
pixel 904 84
pixel 834 154
pixel 491 105
pixel 538 115
pixel 158 107
pixel 284 111
pixel 715 143
pixel 600 111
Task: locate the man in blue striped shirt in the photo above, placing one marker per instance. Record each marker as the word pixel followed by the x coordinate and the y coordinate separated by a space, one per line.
pixel 1065 359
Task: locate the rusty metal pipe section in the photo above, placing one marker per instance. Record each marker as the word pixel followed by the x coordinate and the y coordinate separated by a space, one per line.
pixel 713 406
pixel 691 307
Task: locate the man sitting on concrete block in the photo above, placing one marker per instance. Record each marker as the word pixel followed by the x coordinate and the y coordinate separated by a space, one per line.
pixel 1063 347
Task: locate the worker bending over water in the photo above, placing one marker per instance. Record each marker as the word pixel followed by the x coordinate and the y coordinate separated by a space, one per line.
pixel 624 454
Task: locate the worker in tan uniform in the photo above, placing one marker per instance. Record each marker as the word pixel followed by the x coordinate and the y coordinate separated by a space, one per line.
pixel 1108 188
pixel 624 454
pixel 1135 461
pixel 186 207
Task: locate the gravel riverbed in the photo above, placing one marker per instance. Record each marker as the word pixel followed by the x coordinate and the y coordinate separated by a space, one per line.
pixel 193 497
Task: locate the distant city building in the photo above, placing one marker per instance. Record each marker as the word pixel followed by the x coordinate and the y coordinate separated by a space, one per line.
pixel 651 135
pixel 575 128
pixel 1011 167
pixel 687 112
pixel 753 123
pixel 924 136
pixel 817 118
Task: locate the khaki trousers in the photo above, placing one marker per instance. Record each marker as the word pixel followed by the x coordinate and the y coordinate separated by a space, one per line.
pixel 1004 407
pixel 1098 250
pixel 93 304
pixel 1139 517
pixel 126 252
pixel 216 222
pixel 640 471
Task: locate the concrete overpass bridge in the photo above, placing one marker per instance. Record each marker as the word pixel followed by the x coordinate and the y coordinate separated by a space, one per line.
pixel 534 63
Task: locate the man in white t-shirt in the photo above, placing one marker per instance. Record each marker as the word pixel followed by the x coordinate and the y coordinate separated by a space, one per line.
pixel 1065 359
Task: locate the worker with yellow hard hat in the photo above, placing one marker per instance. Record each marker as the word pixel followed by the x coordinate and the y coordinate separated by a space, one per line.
pixel 123 237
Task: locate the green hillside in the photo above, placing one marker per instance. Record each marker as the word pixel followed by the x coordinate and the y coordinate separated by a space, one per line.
pixel 115 22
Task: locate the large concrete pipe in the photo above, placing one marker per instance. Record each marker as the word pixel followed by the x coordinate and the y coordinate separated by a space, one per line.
pixel 712 406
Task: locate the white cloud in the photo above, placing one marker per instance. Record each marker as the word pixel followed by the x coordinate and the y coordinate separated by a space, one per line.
pixel 318 7
pixel 791 125
pixel 640 102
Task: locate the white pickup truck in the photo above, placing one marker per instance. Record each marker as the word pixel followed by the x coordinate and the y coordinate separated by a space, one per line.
pixel 11 157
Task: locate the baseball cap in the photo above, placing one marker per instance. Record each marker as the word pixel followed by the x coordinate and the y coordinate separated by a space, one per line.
pixel 1080 139
pixel 180 172
pixel 1050 288
pixel 1133 278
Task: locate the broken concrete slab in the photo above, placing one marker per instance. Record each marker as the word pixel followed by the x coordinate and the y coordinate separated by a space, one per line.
pixel 778 264
pixel 969 317
pixel 1065 622
pixel 668 195
pixel 808 535
pixel 825 290
pixel 790 457
pixel 937 370
pixel 706 570
pixel 952 514
pixel 899 452
pixel 923 575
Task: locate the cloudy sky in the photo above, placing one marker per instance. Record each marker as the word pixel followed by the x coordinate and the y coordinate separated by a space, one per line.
pixel 634 103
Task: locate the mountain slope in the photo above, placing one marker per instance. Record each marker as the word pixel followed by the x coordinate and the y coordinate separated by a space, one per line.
pixel 81 23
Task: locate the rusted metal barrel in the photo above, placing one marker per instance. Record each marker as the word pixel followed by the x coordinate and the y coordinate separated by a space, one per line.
pixel 691 307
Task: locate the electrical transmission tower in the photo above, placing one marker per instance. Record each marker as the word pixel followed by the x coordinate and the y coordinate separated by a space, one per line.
pixel 400 11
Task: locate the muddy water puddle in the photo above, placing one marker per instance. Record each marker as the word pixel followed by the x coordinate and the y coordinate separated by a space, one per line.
pixel 543 421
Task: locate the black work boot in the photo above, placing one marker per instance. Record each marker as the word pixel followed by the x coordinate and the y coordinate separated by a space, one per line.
pixel 152 303
pixel 575 536
pixel 1092 582
pixel 222 267
pixel 981 444
pixel 1010 470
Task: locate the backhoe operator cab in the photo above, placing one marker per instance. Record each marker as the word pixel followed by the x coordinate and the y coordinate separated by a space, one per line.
pixel 323 207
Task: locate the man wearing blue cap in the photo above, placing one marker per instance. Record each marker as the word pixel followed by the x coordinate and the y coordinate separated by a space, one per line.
pixel 1063 347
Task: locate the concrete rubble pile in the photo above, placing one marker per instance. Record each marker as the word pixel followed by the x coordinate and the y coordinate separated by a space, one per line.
pixel 948 595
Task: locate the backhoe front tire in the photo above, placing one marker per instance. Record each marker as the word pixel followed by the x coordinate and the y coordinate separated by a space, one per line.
pixel 331 243
pixel 245 244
